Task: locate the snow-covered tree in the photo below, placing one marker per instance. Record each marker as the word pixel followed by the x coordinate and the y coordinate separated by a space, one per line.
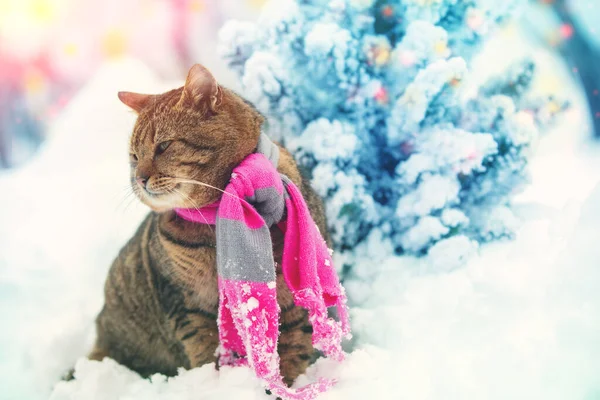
pixel 370 97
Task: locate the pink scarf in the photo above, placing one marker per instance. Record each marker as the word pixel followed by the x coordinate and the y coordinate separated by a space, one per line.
pixel 256 198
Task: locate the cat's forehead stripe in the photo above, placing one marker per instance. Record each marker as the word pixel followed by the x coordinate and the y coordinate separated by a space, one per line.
pixel 142 131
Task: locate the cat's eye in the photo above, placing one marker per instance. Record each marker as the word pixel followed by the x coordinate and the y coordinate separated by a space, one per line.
pixel 133 158
pixel 163 146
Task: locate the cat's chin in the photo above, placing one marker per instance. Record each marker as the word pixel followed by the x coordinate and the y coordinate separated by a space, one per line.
pixel 160 210
pixel 161 203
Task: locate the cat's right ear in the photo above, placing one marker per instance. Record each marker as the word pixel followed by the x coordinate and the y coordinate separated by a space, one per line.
pixel 201 89
pixel 135 101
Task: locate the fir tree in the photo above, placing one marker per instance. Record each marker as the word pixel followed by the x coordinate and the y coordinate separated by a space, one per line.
pixel 369 97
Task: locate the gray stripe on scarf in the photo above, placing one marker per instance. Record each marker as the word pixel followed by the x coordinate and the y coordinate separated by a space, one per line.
pixel 242 253
pixel 267 148
pixel 247 254
pixel 269 204
pixel 286 181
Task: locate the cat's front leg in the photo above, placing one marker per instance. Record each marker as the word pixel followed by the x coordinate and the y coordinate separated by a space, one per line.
pixel 295 343
pixel 196 329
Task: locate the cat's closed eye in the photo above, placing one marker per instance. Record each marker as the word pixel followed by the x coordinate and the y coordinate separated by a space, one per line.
pixel 133 158
pixel 162 147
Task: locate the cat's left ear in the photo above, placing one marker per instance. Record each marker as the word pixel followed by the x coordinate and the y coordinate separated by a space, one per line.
pixel 136 101
pixel 201 89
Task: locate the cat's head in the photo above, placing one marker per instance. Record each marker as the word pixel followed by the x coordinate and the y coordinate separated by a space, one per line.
pixel 186 142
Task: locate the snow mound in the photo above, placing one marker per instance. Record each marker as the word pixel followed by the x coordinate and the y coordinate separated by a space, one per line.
pixel 109 380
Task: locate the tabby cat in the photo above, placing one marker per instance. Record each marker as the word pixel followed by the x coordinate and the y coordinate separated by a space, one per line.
pixel 161 298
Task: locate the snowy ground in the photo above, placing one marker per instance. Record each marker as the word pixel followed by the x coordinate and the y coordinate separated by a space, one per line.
pixel 520 321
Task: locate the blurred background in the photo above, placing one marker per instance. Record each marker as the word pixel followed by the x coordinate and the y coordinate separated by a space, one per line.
pixel 49 48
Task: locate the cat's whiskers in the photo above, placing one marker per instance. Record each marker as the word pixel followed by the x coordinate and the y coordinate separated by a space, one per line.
pixel 194 206
pixel 131 199
pixel 127 198
pixel 194 182
pixel 165 181
pixel 124 192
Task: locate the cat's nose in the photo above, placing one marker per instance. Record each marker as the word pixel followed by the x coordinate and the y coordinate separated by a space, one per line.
pixel 142 180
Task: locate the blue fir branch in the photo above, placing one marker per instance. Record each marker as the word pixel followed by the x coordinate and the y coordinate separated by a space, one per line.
pixel 367 95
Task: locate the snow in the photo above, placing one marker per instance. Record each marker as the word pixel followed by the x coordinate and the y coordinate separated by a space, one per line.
pixel 340 143
pixel 520 321
pixel 252 303
pixel 109 380
pixel 434 192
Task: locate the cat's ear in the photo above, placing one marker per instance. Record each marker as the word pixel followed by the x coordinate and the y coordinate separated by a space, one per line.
pixel 201 89
pixel 136 101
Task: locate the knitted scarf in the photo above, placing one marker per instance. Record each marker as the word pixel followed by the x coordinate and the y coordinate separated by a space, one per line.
pixel 257 197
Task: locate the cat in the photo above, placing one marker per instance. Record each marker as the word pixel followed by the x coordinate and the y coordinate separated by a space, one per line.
pixel 161 298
